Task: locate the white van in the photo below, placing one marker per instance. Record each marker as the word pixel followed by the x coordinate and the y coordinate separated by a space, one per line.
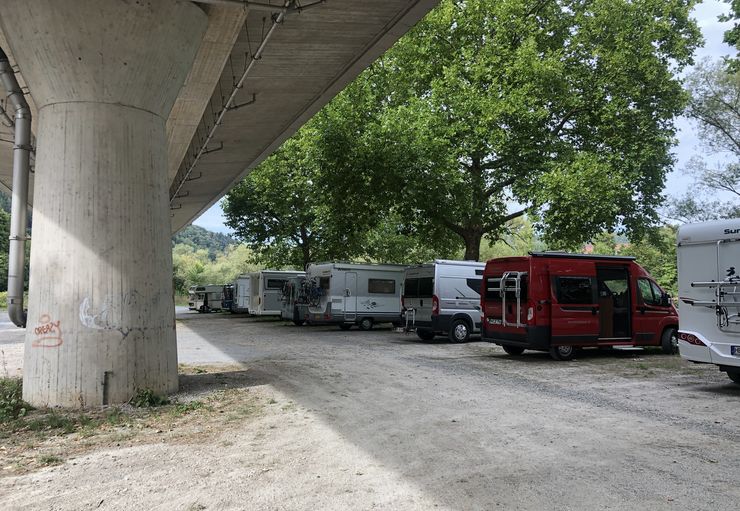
pixel 266 291
pixel 443 298
pixel 709 294
pixel 349 294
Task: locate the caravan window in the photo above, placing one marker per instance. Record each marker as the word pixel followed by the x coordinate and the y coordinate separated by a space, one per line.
pixel 381 286
pixel 411 288
pixel 324 283
pixel 649 291
pixel 493 285
pixel 275 283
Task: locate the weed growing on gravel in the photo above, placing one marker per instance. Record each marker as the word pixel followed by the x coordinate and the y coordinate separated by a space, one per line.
pixel 12 405
pixel 50 460
pixel 183 408
pixel 147 398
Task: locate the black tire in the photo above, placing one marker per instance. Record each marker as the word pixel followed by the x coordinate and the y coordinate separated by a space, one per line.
pixel 734 376
pixel 669 341
pixel 345 326
pixel 459 331
pixel 513 350
pixel 562 352
pixel 425 335
pixel 365 324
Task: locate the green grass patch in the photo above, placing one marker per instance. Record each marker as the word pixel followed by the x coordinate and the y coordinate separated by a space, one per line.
pixel 147 398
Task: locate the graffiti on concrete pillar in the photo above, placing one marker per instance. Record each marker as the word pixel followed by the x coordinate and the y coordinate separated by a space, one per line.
pixel 48 333
pixel 109 314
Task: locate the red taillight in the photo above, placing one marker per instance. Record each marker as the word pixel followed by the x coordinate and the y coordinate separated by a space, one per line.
pixel 690 338
pixel 435 305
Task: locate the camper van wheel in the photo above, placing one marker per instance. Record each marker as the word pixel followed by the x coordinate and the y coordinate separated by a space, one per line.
pixel 513 350
pixel 345 326
pixel 460 332
pixel 734 376
pixel 425 335
pixel 669 341
pixel 562 352
pixel 366 324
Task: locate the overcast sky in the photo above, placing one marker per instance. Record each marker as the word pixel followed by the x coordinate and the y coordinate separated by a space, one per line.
pixel 688 145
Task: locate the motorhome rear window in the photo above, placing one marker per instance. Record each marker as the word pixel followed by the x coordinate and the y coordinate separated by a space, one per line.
pixel 381 286
pixel 575 290
pixel 418 287
pixel 275 283
pixel 324 283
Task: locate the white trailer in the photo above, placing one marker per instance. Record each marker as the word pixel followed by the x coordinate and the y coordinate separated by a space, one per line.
pixel 349 294
pixel 709 294
pixel 242 293
pixel 205 298
pixel 266 290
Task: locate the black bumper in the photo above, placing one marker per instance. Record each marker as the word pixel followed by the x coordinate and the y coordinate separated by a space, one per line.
pixel 533 338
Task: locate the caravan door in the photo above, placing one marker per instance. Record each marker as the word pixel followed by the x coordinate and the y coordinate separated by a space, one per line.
pixel 350 296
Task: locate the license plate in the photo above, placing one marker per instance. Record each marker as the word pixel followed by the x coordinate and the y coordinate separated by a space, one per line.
pixel 735 351
pixel 494 321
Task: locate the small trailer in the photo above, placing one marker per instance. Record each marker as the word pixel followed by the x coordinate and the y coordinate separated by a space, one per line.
pixel 443 297
pixel 709 294
pixel 557 302
pixel 348 294
pixel 294 301
pixel 266 289
pixel 241 294
pixel 205 298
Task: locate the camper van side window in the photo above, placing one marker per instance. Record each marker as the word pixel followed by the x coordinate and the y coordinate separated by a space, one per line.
pixel 324 283
pixel 575 290
pixel 381 286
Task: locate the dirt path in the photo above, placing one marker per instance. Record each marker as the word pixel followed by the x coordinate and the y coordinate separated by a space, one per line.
pixel 378 420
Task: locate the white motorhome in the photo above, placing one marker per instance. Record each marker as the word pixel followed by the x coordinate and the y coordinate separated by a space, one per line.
pixel 709 294
pixel 266 289
pixel 354 294
pixel 443 298
pixel 242 293
pixel 294 302
pixel 205 298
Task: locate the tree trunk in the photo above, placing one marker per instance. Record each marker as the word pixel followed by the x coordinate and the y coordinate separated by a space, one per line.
pixel 472 245
pixel 305 246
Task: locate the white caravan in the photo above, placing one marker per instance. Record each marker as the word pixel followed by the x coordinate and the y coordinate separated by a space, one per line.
pixel 242 293
pixel 443 297
pixel 205 298
pixel 354 294
pixel 709 294
pixel 266 290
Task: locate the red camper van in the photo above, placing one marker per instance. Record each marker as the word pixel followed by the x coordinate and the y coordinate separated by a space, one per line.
pixel 558 302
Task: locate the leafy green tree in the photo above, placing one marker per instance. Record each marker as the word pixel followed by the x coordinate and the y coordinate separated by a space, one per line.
pixel 715 106
pixel 193 266
pixel 563 109
pixel 199 237
pixel 732 36
pixel 4 247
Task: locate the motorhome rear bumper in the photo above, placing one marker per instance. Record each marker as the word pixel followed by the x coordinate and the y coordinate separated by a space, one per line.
pixel 530 337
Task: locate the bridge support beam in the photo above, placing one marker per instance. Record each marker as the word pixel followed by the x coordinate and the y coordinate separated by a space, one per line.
pixel 104 75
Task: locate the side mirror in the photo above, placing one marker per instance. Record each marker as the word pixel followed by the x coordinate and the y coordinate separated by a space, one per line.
pixel 665 300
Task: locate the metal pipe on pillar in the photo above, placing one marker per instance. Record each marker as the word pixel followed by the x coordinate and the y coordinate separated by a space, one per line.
pixel 19 205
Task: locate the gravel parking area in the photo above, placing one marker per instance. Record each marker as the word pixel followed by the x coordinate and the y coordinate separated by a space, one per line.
pixel 382 420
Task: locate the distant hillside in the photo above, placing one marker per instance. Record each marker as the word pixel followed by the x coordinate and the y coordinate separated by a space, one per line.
pixel 200 238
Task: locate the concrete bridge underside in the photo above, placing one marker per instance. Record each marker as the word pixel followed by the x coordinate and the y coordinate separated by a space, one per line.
pixel 145 114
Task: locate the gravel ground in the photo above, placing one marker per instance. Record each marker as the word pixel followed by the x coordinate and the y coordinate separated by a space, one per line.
pixel 381 420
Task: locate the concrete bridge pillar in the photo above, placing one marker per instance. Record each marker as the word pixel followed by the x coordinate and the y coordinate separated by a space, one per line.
pixel 104 75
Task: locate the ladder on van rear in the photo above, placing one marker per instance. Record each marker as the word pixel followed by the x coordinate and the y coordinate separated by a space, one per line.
pixel 511 282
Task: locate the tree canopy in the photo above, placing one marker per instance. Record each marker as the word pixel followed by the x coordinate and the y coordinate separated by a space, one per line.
pixel 484 112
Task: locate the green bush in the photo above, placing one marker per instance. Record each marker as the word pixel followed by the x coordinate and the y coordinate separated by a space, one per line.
pixel 12 405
